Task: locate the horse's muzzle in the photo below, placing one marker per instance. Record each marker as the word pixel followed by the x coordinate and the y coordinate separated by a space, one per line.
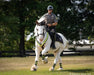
pixel 41 39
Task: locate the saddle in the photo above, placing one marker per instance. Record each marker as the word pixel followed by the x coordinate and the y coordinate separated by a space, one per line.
pixel 58 38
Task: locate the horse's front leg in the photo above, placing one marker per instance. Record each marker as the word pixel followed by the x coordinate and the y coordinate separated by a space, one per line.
pixel 44 51
pixel 34 67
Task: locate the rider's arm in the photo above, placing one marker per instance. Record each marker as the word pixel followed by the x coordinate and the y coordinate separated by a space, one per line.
pixel 55 21
pixel 54 24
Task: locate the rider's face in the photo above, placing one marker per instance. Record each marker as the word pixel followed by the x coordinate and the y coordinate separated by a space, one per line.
pixel 50 11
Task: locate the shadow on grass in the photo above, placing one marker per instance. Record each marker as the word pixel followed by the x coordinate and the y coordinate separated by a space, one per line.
pixel 76 70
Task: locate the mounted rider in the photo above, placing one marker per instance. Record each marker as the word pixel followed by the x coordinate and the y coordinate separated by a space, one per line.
pixel 51 22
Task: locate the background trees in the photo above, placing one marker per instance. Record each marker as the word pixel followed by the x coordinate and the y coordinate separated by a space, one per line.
pixel 17 19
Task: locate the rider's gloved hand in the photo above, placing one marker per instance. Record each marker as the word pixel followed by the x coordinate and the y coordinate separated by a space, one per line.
pixel 49 25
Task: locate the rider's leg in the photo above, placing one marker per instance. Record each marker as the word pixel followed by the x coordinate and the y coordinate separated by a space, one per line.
pixel 53 41
pixel 52 34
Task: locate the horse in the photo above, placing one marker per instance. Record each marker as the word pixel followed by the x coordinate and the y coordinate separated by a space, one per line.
pixel 43 44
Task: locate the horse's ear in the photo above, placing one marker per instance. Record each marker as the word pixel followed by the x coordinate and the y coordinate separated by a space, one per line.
pixel 37 22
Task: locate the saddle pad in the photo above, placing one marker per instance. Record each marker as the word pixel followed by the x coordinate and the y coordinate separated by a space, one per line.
pixel 59 38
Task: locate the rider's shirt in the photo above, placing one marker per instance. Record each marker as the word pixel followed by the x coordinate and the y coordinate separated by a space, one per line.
pixel 50 18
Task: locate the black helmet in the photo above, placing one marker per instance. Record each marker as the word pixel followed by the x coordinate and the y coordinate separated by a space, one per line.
pixel 50 7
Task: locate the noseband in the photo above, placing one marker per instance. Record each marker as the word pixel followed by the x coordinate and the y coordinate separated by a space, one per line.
pixel 41 24
pixel 41 34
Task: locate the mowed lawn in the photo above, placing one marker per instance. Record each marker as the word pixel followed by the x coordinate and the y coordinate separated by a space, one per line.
pixel 72 65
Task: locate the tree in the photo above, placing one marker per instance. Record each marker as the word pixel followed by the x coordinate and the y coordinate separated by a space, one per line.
pixel 17 19
pixel 8 27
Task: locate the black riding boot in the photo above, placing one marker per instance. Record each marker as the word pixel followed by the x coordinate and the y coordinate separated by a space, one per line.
pixel 53 42
pixel 52 35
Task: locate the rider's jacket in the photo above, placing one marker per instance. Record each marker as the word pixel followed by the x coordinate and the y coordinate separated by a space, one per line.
pixel 50 18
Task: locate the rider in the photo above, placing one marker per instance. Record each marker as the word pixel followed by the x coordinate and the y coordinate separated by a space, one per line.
pixel 51 22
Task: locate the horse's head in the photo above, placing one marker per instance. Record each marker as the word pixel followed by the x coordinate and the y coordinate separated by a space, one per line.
pixel 40 30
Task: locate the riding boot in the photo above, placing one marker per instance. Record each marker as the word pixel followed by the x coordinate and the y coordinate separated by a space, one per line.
pixel 53 42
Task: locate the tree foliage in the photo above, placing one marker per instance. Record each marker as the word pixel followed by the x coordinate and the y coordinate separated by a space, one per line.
pixel 15 16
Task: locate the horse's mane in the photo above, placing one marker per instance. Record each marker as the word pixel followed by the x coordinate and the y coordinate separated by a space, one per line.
pixel 41 21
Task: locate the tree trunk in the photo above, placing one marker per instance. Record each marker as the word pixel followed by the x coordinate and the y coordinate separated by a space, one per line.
pixel 21 45
pixel 21 28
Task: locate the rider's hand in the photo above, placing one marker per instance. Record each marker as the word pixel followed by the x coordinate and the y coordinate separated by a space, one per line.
pixel 49 25
pixel 54 24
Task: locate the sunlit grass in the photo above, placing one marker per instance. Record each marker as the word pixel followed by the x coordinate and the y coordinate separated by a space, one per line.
pixel 75 65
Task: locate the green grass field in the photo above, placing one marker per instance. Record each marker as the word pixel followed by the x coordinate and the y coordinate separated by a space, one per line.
pixel 72 65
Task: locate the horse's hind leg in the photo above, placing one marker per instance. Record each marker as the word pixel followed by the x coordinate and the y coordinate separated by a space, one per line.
pixel 57 55
pixel 60 62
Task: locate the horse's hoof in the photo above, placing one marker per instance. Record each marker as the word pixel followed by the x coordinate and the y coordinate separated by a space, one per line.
pixel 34 68
pixel 51 69
pixel 45 61
pixel 60 69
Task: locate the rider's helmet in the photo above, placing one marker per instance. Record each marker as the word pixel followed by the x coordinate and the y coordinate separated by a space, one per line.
pixel 50 7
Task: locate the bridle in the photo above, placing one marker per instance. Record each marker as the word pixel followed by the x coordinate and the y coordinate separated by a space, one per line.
pixel 44 41
pixel 41 33
pixel 41 24
pixel 45 33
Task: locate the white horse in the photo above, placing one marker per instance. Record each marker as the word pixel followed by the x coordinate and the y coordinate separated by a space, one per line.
pixel 42 44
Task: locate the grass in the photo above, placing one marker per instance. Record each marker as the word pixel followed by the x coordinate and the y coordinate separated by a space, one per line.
pixel 74 65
